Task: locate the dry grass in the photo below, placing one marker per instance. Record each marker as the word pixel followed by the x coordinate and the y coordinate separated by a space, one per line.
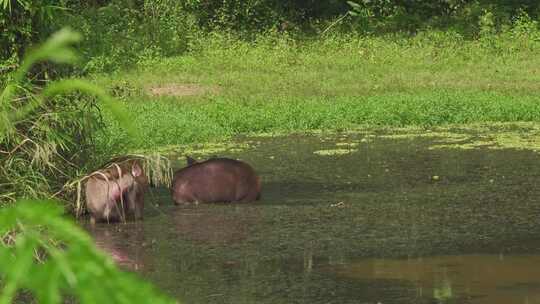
pixel 178 89
pixel 156 167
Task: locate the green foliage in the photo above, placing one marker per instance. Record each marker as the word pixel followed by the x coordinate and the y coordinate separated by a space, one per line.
pixel 469 17
pixel 23 22
pixel 236 14
pixel 487 24
pixel 67 262
pixel 257 16
pixel 147 30
pixel 46 134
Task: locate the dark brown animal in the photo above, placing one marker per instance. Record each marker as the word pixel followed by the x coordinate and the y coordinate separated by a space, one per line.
pixel 117 192
pixel 215 180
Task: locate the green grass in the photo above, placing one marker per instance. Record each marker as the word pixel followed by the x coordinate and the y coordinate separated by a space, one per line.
pixel 278 84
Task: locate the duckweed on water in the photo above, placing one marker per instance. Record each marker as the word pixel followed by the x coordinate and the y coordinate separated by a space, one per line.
pixel 206 149
pixel 333 152
pixel 522 136
pixel 506 140
pixel 429 134
pixel 347 144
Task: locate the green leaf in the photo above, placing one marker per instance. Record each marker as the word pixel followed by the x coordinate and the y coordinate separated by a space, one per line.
pixel 117 109
pixel 354 5
pixel 17 269
pixel 77 267
pixel 57 48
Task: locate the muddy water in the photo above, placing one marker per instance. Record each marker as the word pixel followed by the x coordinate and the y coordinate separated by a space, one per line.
pixel 480 278
pixel 364 219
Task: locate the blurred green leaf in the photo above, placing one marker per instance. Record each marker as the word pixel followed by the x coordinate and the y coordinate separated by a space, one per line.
pixel 58 48
pixel 78 268
pixel 354 5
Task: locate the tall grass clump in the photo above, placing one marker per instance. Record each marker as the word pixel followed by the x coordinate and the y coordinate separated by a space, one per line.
pixel 47 132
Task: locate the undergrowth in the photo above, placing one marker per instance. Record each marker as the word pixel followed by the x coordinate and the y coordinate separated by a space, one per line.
pixel 46 133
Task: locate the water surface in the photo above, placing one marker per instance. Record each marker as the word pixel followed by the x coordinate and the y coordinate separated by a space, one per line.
pixel 368 220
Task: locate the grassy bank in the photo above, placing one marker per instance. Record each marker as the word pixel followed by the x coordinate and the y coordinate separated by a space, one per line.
pixel 278 84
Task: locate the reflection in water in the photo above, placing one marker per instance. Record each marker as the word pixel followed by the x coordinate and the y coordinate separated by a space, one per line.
pixel 203 226
pixel 489 279
pixel 125 243
pixel 131 246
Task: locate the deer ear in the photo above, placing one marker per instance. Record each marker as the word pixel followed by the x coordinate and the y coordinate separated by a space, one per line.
pixel 190 161
pixel 136 170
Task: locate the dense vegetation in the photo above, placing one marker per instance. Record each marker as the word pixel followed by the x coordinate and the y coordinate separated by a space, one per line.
pixel 45 257
pixel 152 29
pixel 255 67
pixel 47 132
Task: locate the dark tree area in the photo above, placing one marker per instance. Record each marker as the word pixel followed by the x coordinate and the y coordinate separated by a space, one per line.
pixel 124 26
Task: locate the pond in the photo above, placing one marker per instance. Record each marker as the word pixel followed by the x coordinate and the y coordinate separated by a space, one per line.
pixel 367 217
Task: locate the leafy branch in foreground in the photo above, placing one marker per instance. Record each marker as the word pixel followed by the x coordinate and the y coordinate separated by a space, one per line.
pixel 78 269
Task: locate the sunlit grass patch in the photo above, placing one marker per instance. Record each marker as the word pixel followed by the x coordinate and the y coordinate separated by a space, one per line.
pixel 332 152
pixel 281 86
pixel 347 144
